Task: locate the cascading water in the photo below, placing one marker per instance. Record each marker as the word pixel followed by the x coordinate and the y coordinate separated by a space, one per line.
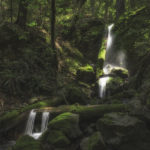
pixel 30 124
pixel 103 81
pixel 113 60
pixel 110 37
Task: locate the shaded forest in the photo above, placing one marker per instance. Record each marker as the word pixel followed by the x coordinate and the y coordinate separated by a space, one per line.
pixel 74 74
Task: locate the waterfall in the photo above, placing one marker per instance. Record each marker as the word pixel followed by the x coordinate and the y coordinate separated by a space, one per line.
pixel 103 81
pixel 102 86
pixel 110 37
pixel 113 60
pixel 30 124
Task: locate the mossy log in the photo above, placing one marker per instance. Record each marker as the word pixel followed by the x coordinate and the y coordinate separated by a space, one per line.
pixel 89 112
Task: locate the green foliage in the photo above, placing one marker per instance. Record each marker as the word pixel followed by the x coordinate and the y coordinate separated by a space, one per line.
pixel 87 68
pixel 26 71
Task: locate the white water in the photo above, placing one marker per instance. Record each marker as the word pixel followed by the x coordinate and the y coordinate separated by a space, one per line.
pixel 102 86
pixel 110 37
pixel 106 69
pixel 30 124
pixel 113 59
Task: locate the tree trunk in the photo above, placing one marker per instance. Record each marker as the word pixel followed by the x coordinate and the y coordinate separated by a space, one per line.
pixel 11 10
pixel 53 11
pixel 22 13
pixel 132 3
pixel 1 11
pixel 120 8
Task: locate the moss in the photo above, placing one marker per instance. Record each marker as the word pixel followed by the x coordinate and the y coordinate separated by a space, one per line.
pixel 36 105
pixel 101 59
pixel 58 139
pixel 9 115
pixel 96 142
pixel 15 116
pixel 67 123
pixel 102 52
pixel 87 68
pixel 120 72
pixel 27 143
pixel 12 117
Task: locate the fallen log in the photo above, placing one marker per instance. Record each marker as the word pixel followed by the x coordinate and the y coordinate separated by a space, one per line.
pixel 88 112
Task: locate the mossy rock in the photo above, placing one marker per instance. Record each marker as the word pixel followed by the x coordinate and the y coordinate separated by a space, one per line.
pixel 27 143
pixel 94 142
pixel 120 130
pixel 114 85
pixel 120 72
pixel 57 138
pixel 86 74
pixel 67 123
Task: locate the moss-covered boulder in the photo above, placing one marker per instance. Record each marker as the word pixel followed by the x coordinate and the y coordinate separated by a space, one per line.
pixel 27 143
pixel 58 139
pixel 86 74
pixel 120 72
pixel 67 123
pixel 62 131
pixel 94 142
pixel 114 85
pixel 121 132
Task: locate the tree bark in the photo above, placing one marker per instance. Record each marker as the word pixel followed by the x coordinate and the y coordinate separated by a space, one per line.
pixel 22 13
pixel 11 10
pixel 1 11
pixel 53 19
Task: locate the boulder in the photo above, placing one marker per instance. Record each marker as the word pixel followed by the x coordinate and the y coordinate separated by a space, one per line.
pixel 120 72
pixel 67 123
pixel 123 132
pixel 26 143
pixel 58 139
pixel 61 131
pixel 94 142
pixel 86 74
